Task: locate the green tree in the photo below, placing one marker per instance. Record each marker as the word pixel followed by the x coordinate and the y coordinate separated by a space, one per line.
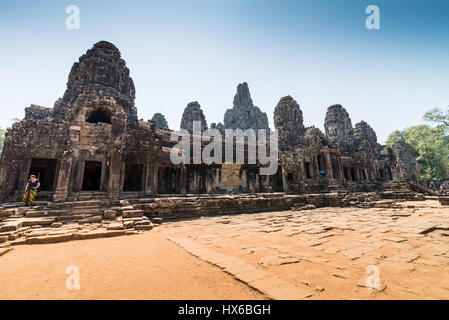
pixel 438 116
pixel 431 144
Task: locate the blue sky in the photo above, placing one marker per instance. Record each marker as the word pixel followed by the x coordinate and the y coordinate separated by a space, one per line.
pixel 319 52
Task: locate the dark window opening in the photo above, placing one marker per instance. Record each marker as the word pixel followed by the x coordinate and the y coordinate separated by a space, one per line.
pixel 133 177
pixel 363 174
pixel 44 170
pixel 276 181
pixel 335 168
pixel 99 115
pixel 353 174
pixel 345 171
pixel 390 175
pixel 196 179
pixel 307 167
pixel 382 173
pixel 92 176
pixel 169 180
pixel 290 177
pixel 320 164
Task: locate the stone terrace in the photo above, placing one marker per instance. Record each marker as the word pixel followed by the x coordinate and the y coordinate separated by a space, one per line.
pixel 328 253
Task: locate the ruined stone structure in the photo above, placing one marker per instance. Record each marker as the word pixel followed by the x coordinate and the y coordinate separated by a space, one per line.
pixel 193 113
pixel 92 141
pixel 345 158
pixel 244 115
pixel 159 121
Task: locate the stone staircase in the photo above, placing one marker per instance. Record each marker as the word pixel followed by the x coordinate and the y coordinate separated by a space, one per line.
pixel 83 211
pixel 91 216
pixel 88 195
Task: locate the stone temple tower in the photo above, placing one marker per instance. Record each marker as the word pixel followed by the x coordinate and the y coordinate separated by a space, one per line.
pixel 90 141
pixel 100 74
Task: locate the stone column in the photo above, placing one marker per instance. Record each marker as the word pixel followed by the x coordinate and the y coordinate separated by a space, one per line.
pixel 285 180
pixel 209 181
pixel 115 170
pixel 252 183
pixel 183 180
pixel 329 170
pixel 65 170
pixel 340 168
pixel 152 179
pixel 315 168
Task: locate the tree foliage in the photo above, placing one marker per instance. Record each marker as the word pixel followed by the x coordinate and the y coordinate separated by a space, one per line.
pixel 431 144
pixel 438 116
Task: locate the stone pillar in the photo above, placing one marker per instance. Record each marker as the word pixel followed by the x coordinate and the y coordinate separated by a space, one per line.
pixel 209 181
pixel 65 170
pixel 115 170
pixel 20 171
pixel 329 171
pixel 285 180
pixel 152 178
pixel 315 168
pixel 183 180
pixel 252 183
pixel 341 170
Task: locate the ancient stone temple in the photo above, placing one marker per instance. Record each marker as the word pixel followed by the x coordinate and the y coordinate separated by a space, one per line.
pixel 159 121
pixel 244 115
pixel 92 141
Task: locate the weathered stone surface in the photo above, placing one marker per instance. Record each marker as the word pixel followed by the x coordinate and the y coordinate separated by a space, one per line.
pixel 132 213
pixel 192 113
pixel 56 224
pixel 365 134
pixel 115 226
pixel 244 115
pixel 93 219
pixel 157 220
pixel 289 122
pixel 444 201
pixel 37 112
pixel 338 127
pixel 406 158
pixel 218 126
pixel 102 72
pixel 110 214
pixel 159 121
pixel 5 250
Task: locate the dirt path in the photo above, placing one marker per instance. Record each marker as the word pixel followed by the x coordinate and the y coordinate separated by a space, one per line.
pixel 145 266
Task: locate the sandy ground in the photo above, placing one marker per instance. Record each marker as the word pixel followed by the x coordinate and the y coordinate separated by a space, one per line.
pixel 145 266
pixel 329 252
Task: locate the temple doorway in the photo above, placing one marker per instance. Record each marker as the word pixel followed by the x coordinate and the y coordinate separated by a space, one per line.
pixel 169 180
pixel 44 170
pixel 92 176
pixel 276 180
pixel 133 177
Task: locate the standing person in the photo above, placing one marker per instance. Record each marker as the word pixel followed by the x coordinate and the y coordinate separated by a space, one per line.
pixel 30 190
